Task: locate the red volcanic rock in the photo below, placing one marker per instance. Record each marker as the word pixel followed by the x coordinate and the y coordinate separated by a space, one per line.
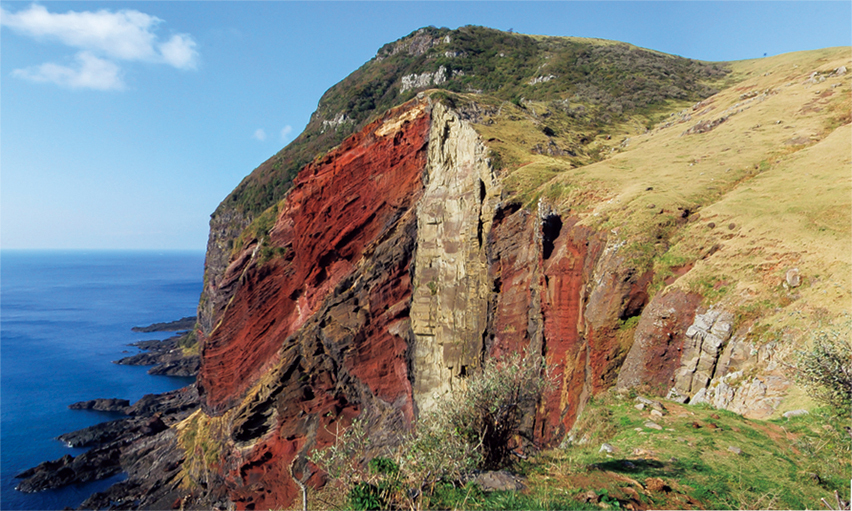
pixel 566 271
pixel 322 334
pixel 513 266
pixel 337 208
pixel 547 301
pixel 319 336
pixel 656 351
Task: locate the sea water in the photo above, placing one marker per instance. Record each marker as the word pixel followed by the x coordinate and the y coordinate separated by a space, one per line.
pixel 64 317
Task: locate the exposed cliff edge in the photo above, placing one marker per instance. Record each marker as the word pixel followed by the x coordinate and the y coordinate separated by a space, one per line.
pixel 407 255
pixel 460 225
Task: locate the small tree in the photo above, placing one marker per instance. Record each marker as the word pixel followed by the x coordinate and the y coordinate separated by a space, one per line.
pixel 487 413
pixel 470 428
pixel 825 370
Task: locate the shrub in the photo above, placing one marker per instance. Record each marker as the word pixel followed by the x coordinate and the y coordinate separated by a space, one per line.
pixel 488 412
pixel 470 429
pixel 825 370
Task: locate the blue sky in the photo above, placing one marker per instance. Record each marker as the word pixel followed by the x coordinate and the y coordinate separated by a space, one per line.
pixel 124 124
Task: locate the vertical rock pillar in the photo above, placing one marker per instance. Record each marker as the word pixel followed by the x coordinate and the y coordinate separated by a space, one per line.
pixel 451 284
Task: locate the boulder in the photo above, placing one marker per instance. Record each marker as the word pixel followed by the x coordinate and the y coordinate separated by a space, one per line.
pixel 499 480
pixel 792 277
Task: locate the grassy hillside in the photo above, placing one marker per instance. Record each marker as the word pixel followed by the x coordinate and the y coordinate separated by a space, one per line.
pixel 766 189
pixel 690 458
pixel 720 197
pixel 594 81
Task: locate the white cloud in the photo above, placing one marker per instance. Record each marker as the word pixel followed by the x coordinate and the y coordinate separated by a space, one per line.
pixel 104 38
pixel 90 72
pixel 285 132
pixel 260 134
pixel 180 52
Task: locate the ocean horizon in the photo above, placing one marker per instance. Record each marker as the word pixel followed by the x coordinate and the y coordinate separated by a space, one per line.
pixel 65 315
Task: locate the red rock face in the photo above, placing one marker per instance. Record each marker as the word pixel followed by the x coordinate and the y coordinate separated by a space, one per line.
pixel 321 334
pixel 566 349
pixel 513 269
pixel 549 302
pixel 337 208
pixel 656 351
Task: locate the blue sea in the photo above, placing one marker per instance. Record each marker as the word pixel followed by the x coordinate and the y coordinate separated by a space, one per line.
pixel 64 317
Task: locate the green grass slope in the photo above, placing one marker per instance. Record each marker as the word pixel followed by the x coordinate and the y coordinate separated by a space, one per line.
pixel 765 190
pixel 599 80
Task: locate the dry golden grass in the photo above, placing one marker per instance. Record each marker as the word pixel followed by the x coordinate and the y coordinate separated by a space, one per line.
pixel 769 189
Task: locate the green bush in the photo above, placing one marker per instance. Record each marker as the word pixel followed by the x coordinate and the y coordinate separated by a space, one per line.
pixel 488 412
pixel 825 370
pixel 366 497
pixel 468 430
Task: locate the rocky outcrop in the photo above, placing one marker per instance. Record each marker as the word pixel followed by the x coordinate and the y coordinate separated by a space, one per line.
pixel 167 357
pixel 703 361
pixel 703 343
pixel 749 379
pixel 102 405
pixel 338 210
pixel 226 225
pixel 111 442
pixel 153 466
pixel 305 347
pixel 398 269
pixel 655 355
pixel 185 323
pixel 451 285
pixel 102 461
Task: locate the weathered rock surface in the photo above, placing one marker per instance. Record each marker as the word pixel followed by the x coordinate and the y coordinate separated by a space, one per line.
pixel 655 354
pixel 362 188
pixel 98 463
pixel 166 356
pixel 98 434
pixel 110 443
pixel 186 323
pixel 102 405
pixel 173 406
pixel 451 288
pixel 701 350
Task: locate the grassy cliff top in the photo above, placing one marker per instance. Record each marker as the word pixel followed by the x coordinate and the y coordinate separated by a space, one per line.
pixel 732 192
pixel 602 81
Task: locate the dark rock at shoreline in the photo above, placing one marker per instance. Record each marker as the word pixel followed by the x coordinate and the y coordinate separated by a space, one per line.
pixel 102 405
pixel 187 323
pixel 98 463
pixel 119 445
pixel 185 367
pixel 167 356
pixel 172 406
pixel 99 434
pixel 153 467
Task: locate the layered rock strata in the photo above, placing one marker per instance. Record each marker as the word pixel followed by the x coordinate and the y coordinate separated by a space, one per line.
pixel 397 269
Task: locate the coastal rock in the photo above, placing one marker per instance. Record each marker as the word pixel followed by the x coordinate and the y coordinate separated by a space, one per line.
pixel 172 406
pixel 99 463
pixel 99 434
pixel 109 441
pixel 186 323
pixel 167 356
pixel 102 405
pixel 184 367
